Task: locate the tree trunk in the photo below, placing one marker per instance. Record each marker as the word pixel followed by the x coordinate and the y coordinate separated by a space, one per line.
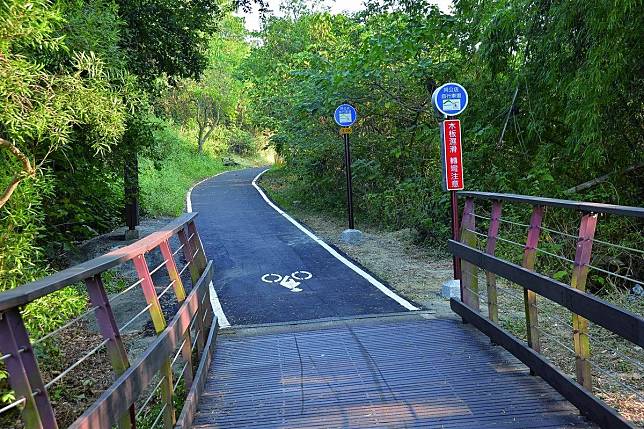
pixel 131 184
pixel 26 171
pixel 200 140
pixel 203 138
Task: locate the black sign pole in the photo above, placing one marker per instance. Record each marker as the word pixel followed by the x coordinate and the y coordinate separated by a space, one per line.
pixel 347 164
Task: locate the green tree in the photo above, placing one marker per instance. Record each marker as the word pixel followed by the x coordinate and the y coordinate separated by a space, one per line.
pixel 548 84
pixel 216 98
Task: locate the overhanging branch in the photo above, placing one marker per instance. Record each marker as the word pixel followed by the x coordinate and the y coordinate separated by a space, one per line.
pixel 27 170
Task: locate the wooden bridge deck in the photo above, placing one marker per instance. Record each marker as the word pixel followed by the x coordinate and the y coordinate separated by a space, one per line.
pixel 379 372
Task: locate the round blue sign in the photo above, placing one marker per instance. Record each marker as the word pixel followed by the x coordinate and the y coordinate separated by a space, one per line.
pixel 345 115
pixel 450 99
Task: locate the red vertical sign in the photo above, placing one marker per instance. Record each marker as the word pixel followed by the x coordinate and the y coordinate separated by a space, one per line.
pixel 452 155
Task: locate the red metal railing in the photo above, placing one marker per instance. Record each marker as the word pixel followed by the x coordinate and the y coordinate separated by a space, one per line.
pixel 188 337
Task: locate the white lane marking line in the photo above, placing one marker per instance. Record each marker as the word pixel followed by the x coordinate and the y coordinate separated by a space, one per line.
pixel 216 307
pixel 384 289
pixel 189 194
pixel 214 299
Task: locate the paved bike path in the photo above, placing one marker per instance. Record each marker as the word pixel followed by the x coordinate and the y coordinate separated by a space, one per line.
pixel 270 269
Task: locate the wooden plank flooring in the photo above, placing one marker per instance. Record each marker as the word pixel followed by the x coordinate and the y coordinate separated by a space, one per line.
pixel 384 373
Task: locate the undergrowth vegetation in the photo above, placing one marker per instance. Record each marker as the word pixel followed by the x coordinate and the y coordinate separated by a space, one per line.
pixel 80 107
pixel 547 82
pixel 164 182
pixel 90 90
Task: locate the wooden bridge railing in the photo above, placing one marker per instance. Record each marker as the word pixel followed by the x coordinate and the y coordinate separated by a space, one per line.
pixel 187 338
pixel 582 306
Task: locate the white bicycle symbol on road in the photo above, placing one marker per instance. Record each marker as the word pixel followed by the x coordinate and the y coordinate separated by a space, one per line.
pixel 290 282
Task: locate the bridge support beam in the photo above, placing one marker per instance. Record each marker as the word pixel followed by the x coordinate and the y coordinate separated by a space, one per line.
pixel 529 297
pixel 469 271
pixel 110 331
pixel 578 281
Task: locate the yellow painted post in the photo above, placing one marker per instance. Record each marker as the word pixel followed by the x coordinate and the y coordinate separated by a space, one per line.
pixel 492 235
pixel 195 273
pixel 180 293
pixel 529 297
pixel 197 246
pixel 578 281
pixel 173 273
pixel 188 253
pixel 469 271
pixel 159 322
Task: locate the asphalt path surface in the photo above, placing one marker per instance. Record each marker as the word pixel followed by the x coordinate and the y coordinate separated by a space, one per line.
pixel 268 269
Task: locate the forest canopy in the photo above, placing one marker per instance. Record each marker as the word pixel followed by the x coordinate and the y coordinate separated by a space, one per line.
pixel 83 85
pixel 555 100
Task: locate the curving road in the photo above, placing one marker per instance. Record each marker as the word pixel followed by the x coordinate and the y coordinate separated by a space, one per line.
pixel 269 268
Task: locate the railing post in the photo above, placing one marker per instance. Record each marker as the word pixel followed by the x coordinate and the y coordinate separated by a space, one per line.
pixel 159 322
pixel 24 374
pixel 110 331
pixel 188 254
pixel 529 297
pixel 180 293
pixel 469 274
pixel 198 246
pixel 18 376
pixel 492 235
pixel 150 293
pixel 173 273
pixel 578 281
pixel 195 273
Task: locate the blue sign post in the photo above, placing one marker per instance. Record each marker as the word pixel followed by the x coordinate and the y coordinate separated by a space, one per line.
pixel 450 99
pixel 345 116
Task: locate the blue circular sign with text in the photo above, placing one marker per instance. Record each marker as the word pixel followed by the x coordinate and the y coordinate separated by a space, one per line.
pixel 345 115
pixel 450 99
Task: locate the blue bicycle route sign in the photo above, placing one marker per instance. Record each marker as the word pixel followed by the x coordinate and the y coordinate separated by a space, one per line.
pixel 345 115
pixel 450 99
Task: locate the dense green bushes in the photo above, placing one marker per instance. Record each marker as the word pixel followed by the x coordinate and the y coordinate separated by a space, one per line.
pixel 567 125
pixel 82 87
pixel 164 182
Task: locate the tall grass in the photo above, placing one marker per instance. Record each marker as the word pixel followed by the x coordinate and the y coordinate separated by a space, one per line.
pixel 164 182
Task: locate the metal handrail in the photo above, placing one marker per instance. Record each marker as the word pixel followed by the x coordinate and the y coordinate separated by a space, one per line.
pixel 582 206
pixel 16 347
pixel 31 291
pixel 585 307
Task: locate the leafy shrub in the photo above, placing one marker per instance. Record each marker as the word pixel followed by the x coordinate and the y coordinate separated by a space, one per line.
pixel 21 225
pixel 241 142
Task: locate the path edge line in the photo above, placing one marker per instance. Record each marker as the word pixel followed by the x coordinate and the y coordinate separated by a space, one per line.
pixel 214 299
pixel 368 277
